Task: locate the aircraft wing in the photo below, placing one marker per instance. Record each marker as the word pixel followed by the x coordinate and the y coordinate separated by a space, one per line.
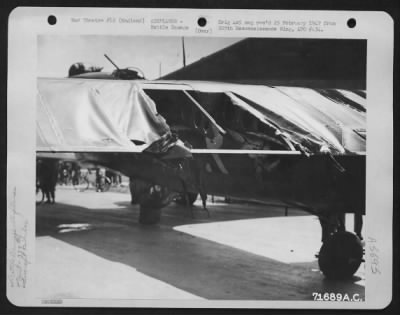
pixel 87 115
pixel 309 118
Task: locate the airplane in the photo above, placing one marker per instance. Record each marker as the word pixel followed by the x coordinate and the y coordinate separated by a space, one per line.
pixel 303 146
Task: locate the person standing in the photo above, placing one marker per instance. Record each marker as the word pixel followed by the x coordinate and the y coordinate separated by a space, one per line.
pixel 47 178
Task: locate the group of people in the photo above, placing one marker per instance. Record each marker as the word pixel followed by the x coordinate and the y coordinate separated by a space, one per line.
pixel 69 173
pixel 50 172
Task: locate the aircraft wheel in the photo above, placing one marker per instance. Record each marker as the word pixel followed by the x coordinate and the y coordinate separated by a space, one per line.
pixel 181 200
pixel 340 255
pixel 149 215
pixel 151 202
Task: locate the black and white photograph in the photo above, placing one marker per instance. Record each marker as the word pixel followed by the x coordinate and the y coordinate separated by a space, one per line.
pixel 199 158
pixel 200 168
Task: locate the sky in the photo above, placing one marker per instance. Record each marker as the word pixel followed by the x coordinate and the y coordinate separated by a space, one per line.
pixel 150 54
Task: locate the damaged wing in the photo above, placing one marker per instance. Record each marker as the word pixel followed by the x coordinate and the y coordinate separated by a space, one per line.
pixel 83 115
pixel 308 120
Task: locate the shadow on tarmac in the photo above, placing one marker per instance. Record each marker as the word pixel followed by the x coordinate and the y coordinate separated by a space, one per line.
pixel 201 267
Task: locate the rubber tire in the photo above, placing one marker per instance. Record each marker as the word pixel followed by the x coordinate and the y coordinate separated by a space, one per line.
pixel 151 202
pixel 149 215
pixel 181 200
pixel 340 256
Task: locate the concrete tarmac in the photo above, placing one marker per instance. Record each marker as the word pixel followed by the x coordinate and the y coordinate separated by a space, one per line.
pixel 90 245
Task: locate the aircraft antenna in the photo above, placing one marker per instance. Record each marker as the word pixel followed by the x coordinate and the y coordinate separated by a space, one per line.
pixel 109 59
pixel 183 52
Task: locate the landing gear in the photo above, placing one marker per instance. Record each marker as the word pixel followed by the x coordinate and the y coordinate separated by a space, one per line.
pixel 341 255
pixel 151 198
pixel 151 203
pixel 342 252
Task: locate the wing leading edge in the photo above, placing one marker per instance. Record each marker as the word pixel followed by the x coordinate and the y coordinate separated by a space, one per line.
pixel 83 115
